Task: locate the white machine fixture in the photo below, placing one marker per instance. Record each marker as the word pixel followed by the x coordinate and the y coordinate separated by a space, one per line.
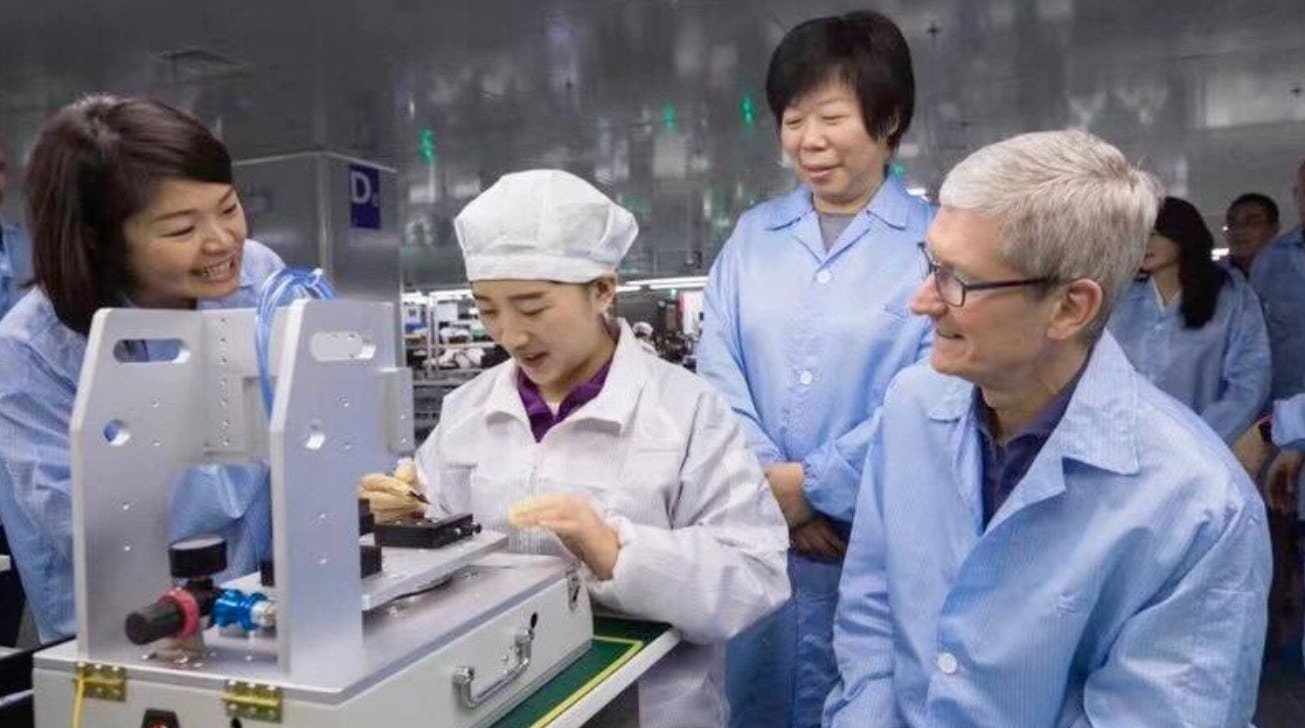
pixel 452 636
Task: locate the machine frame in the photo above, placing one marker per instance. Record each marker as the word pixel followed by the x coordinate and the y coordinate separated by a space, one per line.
pixel 461 655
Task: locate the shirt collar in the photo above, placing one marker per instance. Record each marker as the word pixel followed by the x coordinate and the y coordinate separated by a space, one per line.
pixel 626 374
pixel 1099 424
pixel 1042 426
pixel 538 410
pixel 891 204
pixel 1153 292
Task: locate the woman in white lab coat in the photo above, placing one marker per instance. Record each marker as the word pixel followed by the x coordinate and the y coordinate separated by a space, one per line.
pixel 586 446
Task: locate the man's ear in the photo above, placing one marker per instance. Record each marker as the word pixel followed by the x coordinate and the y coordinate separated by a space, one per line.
pixel 1077 306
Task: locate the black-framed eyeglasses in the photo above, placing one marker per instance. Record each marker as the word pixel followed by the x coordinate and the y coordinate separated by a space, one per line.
pixel 953 291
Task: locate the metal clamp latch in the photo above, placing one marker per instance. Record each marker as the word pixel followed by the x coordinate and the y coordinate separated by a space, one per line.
pixel 464 676
pixel 252 701
pixel 573 587
pixel 103 682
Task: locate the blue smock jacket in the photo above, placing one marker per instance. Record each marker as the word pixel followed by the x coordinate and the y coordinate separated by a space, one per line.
pixel 1220 370
pixel 40 365
pixel 1278 278
pixel 1123 582
pixel 1281 277
pixel 15 267
pixel 803 342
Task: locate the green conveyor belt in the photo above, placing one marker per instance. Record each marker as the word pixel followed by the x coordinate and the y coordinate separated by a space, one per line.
pixel 615 642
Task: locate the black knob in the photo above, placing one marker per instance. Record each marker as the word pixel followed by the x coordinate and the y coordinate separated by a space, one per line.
pixel 198 557
pixel 158 620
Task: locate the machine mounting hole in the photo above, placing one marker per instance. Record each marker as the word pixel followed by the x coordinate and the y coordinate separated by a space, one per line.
pixel 316 438
pixel 116 433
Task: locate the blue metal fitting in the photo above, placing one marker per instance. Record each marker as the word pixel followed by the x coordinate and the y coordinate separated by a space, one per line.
pixel 235 607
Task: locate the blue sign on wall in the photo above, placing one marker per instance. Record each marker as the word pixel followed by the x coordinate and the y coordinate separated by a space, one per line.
pixel 364 197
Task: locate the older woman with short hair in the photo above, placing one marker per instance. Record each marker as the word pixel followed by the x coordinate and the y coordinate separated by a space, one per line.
pixel 806 322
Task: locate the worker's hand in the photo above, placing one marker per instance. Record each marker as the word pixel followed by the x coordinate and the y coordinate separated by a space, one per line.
pixel 786 483
pixel 818 538
pixel 1252 451
pixel 1281 481
pixel 394 497
pixel 575 522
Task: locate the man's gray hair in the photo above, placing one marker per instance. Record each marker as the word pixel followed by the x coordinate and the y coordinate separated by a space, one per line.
pixel 1070 206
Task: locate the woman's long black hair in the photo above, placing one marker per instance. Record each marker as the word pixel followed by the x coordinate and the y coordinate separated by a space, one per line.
pixel 1200 277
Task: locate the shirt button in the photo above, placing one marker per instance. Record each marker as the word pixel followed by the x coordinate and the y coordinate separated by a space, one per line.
pixel 806 377
pixel 947 663
pixel 823 277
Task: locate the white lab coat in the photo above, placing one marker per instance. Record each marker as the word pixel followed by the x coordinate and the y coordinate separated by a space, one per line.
pixel 662 458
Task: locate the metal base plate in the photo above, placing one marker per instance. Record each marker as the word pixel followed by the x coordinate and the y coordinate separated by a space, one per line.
pixel 394 636
pixel 405 570
pixel 413 650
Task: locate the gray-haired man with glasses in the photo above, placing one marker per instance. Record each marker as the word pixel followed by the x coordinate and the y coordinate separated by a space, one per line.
pixel 1042 537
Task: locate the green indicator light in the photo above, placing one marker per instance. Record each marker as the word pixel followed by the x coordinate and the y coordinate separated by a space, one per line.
pixel 668 117
pixel 426 144
pixel 748 109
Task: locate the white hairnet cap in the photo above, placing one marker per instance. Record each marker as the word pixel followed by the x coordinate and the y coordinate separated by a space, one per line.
pixel 543 224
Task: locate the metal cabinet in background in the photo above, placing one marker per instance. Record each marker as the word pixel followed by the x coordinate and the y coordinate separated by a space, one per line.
pixel 321 209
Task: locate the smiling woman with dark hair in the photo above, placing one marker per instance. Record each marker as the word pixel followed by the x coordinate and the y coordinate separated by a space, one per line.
pixel 806 322
pixel 1194 328
pixel 130 203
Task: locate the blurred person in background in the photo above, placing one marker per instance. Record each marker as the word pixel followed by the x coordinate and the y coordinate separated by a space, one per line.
pixel 1278 276
pixel 1249 226
pixel 15 249
pixel 1193 328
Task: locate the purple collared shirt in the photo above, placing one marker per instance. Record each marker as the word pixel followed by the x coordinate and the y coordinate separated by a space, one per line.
pixel 541 417
pixel 1005 465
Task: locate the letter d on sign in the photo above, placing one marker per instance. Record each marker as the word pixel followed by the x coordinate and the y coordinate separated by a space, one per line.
pixel 364 197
